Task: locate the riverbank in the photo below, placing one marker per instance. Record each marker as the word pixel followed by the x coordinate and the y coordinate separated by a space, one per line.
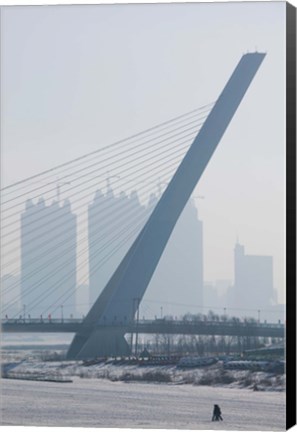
pixel 34 365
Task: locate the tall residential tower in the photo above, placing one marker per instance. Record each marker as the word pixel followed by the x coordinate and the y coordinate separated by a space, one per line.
pixel 48 259
pixel 253 281
pixel 178 278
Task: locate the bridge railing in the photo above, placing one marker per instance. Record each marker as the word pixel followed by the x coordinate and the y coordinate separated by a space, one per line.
pixel 211 323
pixel 41 321
pixel 158 322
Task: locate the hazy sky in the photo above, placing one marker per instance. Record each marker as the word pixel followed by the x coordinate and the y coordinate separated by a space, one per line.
pixel 75 78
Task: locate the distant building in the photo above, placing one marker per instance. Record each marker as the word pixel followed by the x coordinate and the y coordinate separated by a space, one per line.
pixel 10 295
pixel 82 300
pixel 253 281
pixel 215 296
pixel 112 223
pixel 48 259
pixel 177 284
pixel 210 297
pixel 178 278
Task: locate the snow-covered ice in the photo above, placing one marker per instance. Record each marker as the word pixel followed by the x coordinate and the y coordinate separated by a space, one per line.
pixel 102 403
pixel 106 395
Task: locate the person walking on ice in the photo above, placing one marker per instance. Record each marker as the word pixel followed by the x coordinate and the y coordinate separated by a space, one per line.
pixel 217 414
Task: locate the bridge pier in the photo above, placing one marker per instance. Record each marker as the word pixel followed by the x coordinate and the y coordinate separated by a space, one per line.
pixel 103 342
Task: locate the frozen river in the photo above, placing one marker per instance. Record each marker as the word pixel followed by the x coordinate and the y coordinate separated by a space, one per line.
pixel 101 403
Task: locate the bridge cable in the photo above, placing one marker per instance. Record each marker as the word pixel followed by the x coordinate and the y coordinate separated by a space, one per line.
pixel 61 215
pixel 108 219
pixel 106 159
pixel 87 188
pixel 101 149
pixel 133 224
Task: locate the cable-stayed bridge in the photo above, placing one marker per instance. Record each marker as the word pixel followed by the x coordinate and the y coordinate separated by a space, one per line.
pixel 178 151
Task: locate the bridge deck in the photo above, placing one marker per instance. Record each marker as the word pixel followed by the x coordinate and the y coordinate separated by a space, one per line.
pixel 147 326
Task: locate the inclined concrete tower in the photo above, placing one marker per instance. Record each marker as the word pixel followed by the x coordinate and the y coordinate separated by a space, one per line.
pixel 104 326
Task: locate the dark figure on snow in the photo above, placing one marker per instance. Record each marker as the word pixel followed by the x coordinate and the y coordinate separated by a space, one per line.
pixel 216 415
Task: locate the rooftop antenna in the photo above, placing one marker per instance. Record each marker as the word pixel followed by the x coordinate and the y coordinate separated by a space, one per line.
pixel 108 178
pixel 59 184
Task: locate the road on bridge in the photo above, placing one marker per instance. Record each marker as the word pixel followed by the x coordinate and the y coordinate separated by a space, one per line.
pixel 158 326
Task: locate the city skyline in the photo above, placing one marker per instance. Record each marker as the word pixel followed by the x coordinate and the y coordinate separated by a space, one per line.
pixel 108 89
pixel 172 304
pixel 145 214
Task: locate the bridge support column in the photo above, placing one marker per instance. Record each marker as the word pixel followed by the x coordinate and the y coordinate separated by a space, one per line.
pixel 102 343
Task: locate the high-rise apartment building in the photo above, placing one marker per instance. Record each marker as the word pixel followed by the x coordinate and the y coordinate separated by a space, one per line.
pixel 10 295
pixel 253 280
pixel 178 278
pixel 48 259
pixel 177 284
pixel 113 224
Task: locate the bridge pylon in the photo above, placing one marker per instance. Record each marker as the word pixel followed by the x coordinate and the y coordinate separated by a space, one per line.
pixel 134 273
